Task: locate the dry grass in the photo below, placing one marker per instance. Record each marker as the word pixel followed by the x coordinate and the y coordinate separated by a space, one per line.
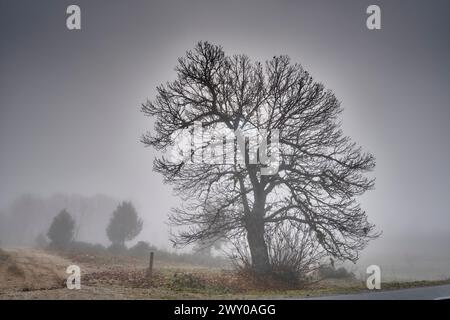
pixel 3 256
pixel 34 276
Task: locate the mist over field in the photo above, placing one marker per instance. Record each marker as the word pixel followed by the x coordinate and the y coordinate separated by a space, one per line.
pixel 70 120
pixel 403 256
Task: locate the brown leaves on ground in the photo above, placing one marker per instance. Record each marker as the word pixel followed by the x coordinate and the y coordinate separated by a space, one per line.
pixel 40 274
pixel 204 280
pixel 128 272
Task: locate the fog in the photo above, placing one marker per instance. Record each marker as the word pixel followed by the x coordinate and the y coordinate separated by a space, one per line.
pixel 70 122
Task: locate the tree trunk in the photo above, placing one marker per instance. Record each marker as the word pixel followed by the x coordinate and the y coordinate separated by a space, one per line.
pixel 257 244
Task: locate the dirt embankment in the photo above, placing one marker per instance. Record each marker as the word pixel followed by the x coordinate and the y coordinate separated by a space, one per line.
pixel 34 274
pixel 27 269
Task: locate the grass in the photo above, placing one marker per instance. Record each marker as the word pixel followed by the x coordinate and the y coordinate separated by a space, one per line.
pixel 178 281
pixel 3 256
pixel 11 267
pixel 14 270
pixel 395 285
pixel 126 277
pixel 168 283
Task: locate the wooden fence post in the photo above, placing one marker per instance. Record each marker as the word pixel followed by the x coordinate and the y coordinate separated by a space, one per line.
pixel 150 266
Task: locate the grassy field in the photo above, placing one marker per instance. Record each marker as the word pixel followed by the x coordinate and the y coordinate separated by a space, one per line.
pixel 38 274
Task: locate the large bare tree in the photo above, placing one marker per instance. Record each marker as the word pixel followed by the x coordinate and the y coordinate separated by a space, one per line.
pixel 312 187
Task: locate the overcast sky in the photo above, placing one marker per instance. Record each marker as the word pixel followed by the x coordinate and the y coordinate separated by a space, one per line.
pixel 69 100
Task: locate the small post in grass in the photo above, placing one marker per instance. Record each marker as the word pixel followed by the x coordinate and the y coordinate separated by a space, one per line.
pixel 150 266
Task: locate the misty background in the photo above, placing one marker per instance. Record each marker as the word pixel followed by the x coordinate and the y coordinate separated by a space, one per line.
pixel 70 122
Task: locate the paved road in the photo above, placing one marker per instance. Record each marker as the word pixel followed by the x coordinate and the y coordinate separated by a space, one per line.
pixel 424 293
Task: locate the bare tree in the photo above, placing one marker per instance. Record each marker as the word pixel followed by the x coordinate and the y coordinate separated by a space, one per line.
pixel 318 173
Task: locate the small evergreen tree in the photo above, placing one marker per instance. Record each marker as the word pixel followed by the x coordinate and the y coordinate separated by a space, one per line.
pixel 61 230
pixel 124 225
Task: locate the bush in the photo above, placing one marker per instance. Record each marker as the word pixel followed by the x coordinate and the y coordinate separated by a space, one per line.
pixel 287 275
pixel 85 247
pixel 293 256
pixel 141 249
pixel 330 272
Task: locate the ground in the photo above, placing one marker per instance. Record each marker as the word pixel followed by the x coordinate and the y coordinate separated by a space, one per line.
pixel 38 274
